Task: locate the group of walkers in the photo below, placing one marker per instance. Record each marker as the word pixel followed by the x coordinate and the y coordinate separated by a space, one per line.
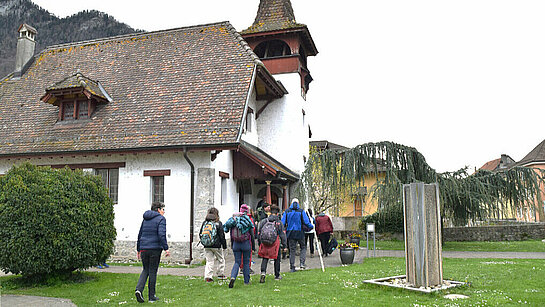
pixel 275 235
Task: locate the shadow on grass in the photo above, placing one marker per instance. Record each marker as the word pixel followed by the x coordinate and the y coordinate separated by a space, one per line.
pixel 16 282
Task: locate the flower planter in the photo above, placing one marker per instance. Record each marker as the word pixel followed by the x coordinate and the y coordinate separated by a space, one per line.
pixel 347 255
pixel 355 240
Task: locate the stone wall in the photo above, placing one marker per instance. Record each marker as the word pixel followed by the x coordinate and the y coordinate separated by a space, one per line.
pixel 126 251
pixel 495 233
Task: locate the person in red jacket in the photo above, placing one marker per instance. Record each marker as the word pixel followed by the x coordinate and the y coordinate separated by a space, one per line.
pixel 272 251
pixel 324 229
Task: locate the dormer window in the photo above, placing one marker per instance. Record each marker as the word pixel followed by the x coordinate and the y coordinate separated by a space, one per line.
pixel 76 96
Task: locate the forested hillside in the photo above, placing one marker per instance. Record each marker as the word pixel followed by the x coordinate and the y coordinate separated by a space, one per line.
pixel 52 30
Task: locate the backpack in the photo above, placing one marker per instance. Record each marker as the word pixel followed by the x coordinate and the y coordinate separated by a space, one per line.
pixel 238 236
pixel 209 234
pixel 331 246
pixel 268 234
pixel 304 227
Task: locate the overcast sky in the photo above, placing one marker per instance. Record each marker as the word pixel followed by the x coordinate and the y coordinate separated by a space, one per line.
pixel 462 81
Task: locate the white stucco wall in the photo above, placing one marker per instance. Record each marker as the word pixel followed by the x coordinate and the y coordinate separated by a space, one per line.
pixel 134 194
pixel 224 163
pixel 283 130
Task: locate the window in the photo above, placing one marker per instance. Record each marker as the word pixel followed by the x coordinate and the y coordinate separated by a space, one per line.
pixel 110 177
pixel 67 110
pixel 158 189
pixel 75 109
pixel 249 117
pixel 224 177
pixel 271 49
pixel 83 109
pixel 157 183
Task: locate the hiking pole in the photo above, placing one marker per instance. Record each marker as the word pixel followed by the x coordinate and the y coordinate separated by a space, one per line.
pixel 319 248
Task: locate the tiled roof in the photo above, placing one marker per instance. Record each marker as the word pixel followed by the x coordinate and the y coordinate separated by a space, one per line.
pixel 321 145
pixel 267 161
pixel 179 87
pixel 491 165
pixel 537 155
pixel 273 15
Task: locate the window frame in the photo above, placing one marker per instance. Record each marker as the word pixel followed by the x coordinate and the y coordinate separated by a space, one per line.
pixel 75 106
pixel 157 189
pixel 112 187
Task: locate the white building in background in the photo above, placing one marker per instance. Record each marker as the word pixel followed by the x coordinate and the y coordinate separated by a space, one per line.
pixel 188 116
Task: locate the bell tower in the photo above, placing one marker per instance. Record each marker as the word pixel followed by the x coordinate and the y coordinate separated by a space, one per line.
pixel 281 43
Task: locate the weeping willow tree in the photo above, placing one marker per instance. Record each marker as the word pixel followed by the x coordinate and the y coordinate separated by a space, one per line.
pixel 463 197
pixel 324 196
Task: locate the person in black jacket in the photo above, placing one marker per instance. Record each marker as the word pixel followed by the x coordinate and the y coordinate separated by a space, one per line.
pixel 152 240
pixel 215 251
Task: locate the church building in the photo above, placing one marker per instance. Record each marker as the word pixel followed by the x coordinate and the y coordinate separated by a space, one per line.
pixel 196 117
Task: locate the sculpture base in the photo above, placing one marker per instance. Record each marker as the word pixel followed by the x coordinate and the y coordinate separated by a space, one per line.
pixel 401 282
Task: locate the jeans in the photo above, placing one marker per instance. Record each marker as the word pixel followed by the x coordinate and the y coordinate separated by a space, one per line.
pixel 242 252
pixel 293 247
pixel 214 256
pixel 150 262
pixel 265 261
pixel 324 240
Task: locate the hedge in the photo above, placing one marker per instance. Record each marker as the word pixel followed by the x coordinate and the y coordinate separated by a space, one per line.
pixel 53 221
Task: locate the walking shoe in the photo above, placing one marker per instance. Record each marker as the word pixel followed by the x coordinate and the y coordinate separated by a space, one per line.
pixel 231 283
pixel 303 267
pixel 292 270
pixel 99 267
pixel 153 299
pixel 139 296
pixel 311 255
pixel 262 279
pixel 105 265
pixel 208 280
pixel 279 277
pixel 222 277
pixel 252 271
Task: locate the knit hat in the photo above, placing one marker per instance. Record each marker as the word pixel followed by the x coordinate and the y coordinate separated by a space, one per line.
pixel 244 208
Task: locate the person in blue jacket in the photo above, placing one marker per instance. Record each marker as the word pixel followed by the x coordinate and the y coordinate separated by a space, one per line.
pixel 293 219
pixel 152 240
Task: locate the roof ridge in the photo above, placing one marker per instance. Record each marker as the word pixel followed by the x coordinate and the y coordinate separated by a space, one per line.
pixel 533 155
pixel 138 34
pixel 244 44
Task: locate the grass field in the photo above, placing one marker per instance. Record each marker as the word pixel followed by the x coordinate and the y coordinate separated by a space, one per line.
pixel 504 246
pixel 491 282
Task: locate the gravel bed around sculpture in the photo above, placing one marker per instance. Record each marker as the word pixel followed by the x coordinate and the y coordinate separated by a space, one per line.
pixel 401 282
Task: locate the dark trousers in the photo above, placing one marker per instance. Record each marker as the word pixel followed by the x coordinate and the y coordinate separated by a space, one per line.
pixel 309 237
pixel 242 251
pixel 150 262
pixel 293 246
pixel 265 261
pixel 324 240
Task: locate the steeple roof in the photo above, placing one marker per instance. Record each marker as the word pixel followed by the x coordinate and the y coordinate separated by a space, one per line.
pixel 273 15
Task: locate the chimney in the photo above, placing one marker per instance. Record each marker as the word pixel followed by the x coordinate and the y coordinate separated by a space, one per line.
pixel 25 47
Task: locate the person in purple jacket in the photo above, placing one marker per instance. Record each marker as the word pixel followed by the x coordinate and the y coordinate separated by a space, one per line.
pixel 152 240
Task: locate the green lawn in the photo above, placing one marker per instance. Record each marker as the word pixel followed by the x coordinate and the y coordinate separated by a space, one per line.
pixel 504 246
pixel 491 282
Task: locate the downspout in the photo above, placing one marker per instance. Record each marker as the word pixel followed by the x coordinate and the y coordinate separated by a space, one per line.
pixel 192 207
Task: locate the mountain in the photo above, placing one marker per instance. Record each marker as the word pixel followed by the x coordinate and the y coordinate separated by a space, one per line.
pixel 52 30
